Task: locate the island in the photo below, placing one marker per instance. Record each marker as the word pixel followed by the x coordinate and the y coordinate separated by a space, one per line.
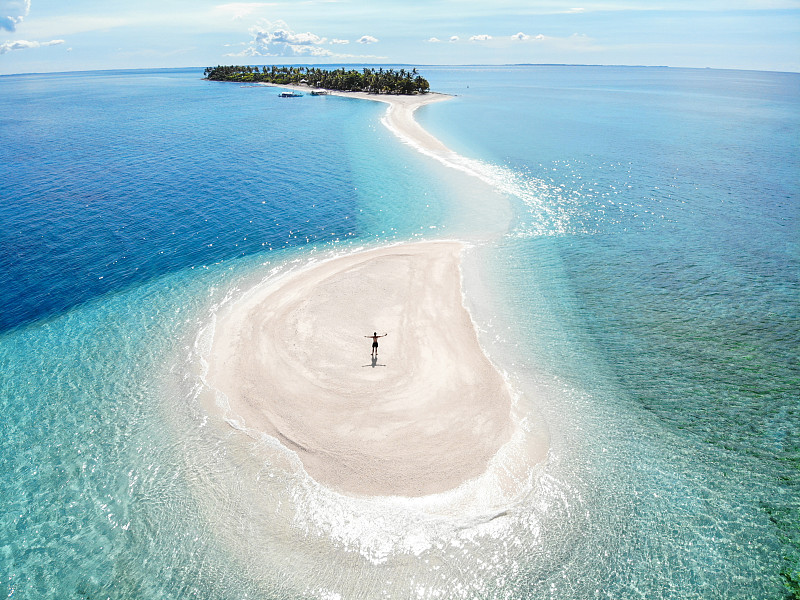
pixel 373 81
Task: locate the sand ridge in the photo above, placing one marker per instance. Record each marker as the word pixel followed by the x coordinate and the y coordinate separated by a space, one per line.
pixel 427 415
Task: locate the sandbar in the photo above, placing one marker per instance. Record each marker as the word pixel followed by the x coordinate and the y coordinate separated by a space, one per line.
pixel 292 359
pixel 399 116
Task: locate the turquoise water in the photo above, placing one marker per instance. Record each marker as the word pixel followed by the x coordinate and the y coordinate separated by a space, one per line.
pixel 636 278
pixel 667 292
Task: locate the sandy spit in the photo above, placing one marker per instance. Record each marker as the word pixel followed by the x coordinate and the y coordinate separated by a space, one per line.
pixel 399 115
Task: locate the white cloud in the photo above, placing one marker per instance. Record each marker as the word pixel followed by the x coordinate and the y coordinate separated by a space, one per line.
pixel 480 38
pixel 24 44
pixel 12 13
pixel 298 39
pixel 276 39
pixel 434 40
pixel 520 36
pixel 454 38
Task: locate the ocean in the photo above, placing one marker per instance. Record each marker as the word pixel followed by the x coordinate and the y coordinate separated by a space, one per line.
pixel 634 274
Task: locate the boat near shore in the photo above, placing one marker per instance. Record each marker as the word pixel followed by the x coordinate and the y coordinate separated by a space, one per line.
pixel 290 94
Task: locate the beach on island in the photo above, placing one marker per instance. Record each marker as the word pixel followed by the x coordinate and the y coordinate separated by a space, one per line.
pixel 399 116
pixel 429 413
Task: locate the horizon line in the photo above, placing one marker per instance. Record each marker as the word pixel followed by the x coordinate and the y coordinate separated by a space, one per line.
pixel 353 64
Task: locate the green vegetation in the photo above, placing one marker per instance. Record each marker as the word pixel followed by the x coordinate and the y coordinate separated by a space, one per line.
pixel 375 81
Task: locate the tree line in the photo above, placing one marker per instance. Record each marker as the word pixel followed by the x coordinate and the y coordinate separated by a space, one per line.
pixel 376 81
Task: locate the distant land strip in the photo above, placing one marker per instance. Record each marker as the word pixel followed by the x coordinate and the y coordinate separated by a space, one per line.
pixel 373 81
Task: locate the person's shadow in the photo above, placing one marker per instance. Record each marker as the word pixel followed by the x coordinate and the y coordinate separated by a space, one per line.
pixel 374 363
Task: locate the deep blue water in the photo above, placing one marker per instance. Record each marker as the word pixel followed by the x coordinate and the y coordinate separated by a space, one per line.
pixel 113 178
pixel 648 281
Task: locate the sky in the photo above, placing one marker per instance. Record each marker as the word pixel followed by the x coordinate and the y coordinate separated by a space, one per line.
pixel 75 35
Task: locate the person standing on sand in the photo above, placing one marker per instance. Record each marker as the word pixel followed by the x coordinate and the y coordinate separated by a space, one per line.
pixel 375 337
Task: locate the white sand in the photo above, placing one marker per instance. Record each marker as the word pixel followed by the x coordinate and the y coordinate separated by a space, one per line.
pixel 292 358
pixel 399 116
